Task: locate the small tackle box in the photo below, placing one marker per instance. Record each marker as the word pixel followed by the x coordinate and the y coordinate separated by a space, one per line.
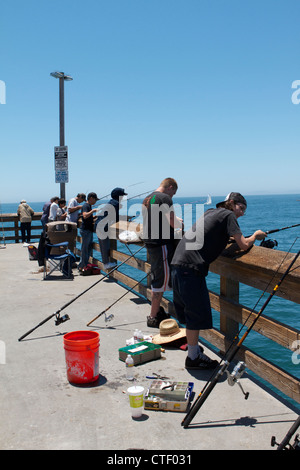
pixel 140 352
pixel 168 396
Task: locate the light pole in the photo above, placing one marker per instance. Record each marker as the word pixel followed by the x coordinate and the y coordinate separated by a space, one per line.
pixel 62 77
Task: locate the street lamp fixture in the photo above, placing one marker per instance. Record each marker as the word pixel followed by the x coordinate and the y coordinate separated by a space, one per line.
pixel 61 75
pixel 62 78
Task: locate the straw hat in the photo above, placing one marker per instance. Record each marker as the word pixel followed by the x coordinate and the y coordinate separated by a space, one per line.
pixel 168 331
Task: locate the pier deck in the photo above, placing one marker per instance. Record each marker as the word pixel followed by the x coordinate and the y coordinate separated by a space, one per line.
pixel 40 409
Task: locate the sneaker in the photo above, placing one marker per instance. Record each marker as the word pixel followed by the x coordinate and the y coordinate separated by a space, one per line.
pixel 109 265
pixel 200 363
pixel 153 322
pixel 162 315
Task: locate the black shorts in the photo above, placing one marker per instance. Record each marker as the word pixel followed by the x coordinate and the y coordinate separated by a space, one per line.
pixel 191 299
pixel 160 258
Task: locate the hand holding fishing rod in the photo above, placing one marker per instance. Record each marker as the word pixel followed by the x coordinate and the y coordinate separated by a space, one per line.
pixel 56 314
pixel 270 243
pixel 229 356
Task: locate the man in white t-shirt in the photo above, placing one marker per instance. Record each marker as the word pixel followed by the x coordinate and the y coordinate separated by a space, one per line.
pixel 53 209
pixel 74 207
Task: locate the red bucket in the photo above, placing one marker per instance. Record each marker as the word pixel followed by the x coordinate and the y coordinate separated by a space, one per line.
pixel 82 356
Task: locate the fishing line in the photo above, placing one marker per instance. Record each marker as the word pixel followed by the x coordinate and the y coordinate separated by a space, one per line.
pixel 107 195
pixel 146 192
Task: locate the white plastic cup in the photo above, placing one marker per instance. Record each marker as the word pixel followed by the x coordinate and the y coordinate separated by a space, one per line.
pixel 136 400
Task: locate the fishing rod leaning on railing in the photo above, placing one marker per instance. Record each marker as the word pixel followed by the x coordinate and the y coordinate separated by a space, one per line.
pixel 56 314
pixel 229 356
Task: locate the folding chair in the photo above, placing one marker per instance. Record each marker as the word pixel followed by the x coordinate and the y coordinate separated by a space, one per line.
pixel 60 260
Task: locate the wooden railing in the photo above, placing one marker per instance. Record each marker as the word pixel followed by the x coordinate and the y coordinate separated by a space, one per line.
pixel 255 268
pixel 10 223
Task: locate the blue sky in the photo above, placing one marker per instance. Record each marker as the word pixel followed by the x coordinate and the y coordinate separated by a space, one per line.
pixel 199 90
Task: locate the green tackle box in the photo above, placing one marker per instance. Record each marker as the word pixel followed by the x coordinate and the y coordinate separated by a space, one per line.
pixel 140 352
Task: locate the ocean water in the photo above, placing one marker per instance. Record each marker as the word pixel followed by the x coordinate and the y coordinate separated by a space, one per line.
pixel 265 212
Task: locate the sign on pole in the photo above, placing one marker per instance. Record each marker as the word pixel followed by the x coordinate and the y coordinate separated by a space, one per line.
pixel 61 164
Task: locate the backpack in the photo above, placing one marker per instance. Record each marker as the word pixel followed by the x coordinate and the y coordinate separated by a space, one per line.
pixel 33 253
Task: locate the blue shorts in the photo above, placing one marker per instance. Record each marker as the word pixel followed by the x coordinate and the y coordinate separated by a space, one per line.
pixel 191 299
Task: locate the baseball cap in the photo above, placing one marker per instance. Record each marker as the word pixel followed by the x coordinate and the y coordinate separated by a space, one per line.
pixel 117 192
pixel 236 197
pixel 94 195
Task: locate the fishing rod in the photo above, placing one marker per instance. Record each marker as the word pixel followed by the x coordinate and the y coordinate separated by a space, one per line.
pixel 272 243
pixel 210 385
pixel 132 197
pixel 279 229
pixel 134 184
pixel 285 443
pixel 110 317
pixel 56 314
pixel 146 192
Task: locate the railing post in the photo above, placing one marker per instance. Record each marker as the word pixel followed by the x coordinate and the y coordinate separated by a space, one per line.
pixel 229 289
pixel 16 222
pixel 113 246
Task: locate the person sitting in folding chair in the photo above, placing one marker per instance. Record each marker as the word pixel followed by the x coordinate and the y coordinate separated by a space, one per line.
pixel 59 258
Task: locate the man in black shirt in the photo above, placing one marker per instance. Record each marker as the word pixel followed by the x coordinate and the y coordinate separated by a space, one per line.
pixel 199 247
pixel 87 229
pixel 159 221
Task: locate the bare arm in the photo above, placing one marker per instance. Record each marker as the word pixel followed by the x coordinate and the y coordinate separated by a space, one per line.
pixel 87 214
pixel 174 221
pixel 74 209
pixel 246 243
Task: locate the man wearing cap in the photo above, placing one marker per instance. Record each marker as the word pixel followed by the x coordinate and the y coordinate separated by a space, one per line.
pixel 86 230
pixel 199 247
pixel 74 207
pixel 106 217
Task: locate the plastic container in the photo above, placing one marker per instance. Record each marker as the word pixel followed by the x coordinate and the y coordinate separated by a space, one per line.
pixel 135 335
pixel 82 356
pixel 140 336
pixel 129 368
pixel 136 400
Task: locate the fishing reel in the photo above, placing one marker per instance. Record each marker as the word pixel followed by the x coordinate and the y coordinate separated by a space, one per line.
pixel 60 319
pixel 294 446
pixel 269 243
pixel 109 318
pixel 235 375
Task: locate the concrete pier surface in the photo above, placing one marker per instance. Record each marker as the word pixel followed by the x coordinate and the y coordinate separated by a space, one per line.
pixel 41 409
